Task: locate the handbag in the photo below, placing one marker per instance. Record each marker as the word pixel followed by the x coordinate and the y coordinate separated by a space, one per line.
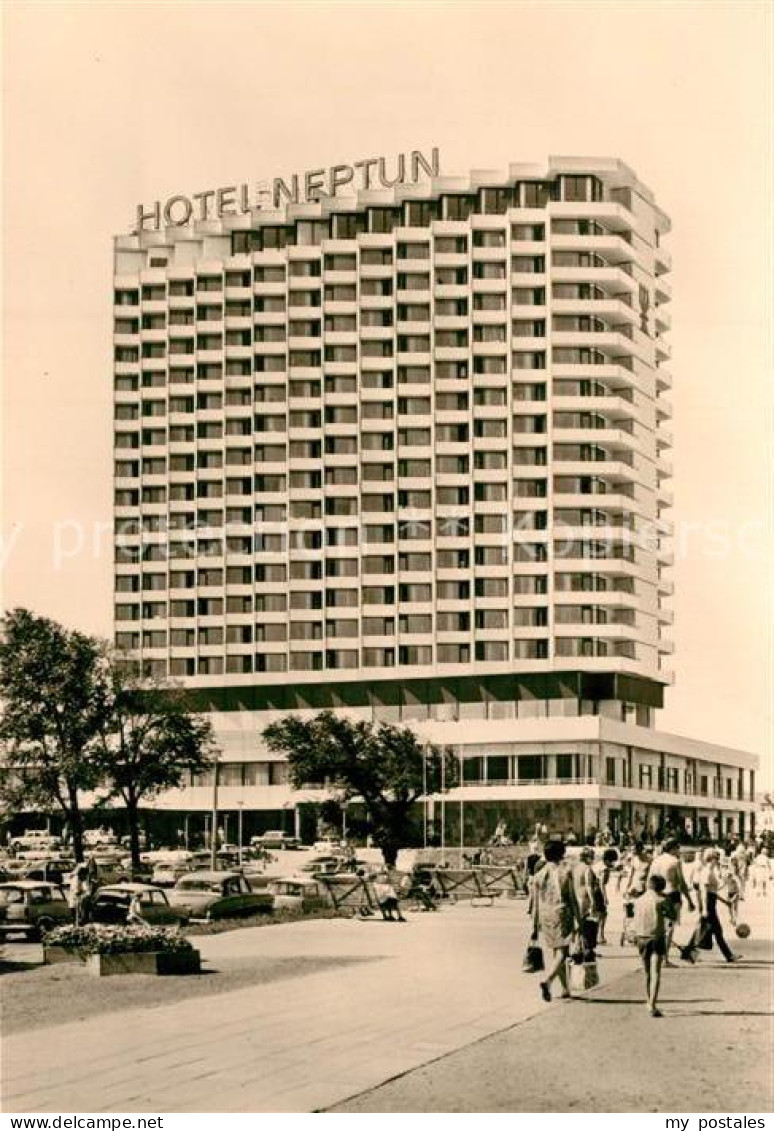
pixel 533 959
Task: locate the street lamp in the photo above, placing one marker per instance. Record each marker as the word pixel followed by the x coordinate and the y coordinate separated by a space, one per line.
pixel 239 832
pixel 214 824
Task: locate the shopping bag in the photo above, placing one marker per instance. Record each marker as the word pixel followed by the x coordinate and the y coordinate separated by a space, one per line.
pixel 533 959
pixel 591 975
pixel 583 976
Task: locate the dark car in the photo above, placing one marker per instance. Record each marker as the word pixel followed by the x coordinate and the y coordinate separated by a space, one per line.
pixel 275 839
pixel 51 871
pixel 111 905
pixel 32 907
pixel 219 895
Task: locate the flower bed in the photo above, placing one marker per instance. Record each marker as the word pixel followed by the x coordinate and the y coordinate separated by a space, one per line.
pixel 124 949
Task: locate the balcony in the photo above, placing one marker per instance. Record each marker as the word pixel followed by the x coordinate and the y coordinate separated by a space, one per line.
pixel 609 372
pixel 550 783
pixel 610 278
pixel 612 247
pixel 610 308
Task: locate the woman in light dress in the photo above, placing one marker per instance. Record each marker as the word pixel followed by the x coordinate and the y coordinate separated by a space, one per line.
pixel 555 916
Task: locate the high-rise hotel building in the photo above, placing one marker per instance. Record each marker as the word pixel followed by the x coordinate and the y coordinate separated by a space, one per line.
pixel 404 453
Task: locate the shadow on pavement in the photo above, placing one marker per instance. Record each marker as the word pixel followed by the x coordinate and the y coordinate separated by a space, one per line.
pixel 640 1000
pixel 724 1013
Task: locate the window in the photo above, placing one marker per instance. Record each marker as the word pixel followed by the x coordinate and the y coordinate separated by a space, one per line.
pixel 564 767
pixel 457 207
pixel 533 194
pixel 496 201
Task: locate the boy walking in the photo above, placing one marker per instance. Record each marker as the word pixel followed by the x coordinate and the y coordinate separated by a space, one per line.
pixel 650 916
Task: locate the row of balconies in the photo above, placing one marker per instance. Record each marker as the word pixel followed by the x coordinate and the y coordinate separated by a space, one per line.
pixel 613 311
pixel 609 251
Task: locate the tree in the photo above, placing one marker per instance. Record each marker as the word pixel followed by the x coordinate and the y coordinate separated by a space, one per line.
pixel 149 742
pixel 55 703
pixel 386 766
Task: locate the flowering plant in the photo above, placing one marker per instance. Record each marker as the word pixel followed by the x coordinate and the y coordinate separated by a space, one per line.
pixel 94 938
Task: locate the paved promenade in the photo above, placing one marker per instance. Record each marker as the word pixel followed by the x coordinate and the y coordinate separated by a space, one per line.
pixel 710 1053
pixel 420 992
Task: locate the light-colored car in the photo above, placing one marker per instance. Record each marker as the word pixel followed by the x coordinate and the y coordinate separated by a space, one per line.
pixel 328 845
pixel 167 872
pixel 111 905
pixel 37 839
pixel 32 908
pixel 299 893
pixel 219 895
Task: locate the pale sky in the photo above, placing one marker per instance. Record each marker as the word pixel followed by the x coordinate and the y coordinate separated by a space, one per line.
pixel 109 105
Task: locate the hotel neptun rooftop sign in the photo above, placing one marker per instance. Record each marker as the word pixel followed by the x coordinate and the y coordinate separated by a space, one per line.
pixel 234 200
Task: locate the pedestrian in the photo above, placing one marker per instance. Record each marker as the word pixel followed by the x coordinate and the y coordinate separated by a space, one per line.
pixel 603 871
pixel 650 928
pixel 760 872
pixel 387 898
pixel 78 893
pixel 555 914
pixel 732 893
pixel 419 886
pixel 667 864
pixel 590 900
pixel 635 871
pixel 134 914
pixel 708 882
pixel 740 864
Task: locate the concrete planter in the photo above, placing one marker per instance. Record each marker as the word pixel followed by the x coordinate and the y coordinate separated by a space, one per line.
pixel 149 962
pixel 55 954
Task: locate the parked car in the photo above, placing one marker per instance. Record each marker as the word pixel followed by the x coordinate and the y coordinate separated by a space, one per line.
pixel 32 907
pixel 328 845
pixel 299 894
pixel 100 838
pixel 36 839
pixel 51 871
pixel 274 839
pixel 126 842
pixel 219 895
pixel 331 865
pixel 111 905
pixel 327 864
pixel 108 869
pixel 167 872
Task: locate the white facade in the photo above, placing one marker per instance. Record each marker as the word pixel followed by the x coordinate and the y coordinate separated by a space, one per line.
pixel 403 453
